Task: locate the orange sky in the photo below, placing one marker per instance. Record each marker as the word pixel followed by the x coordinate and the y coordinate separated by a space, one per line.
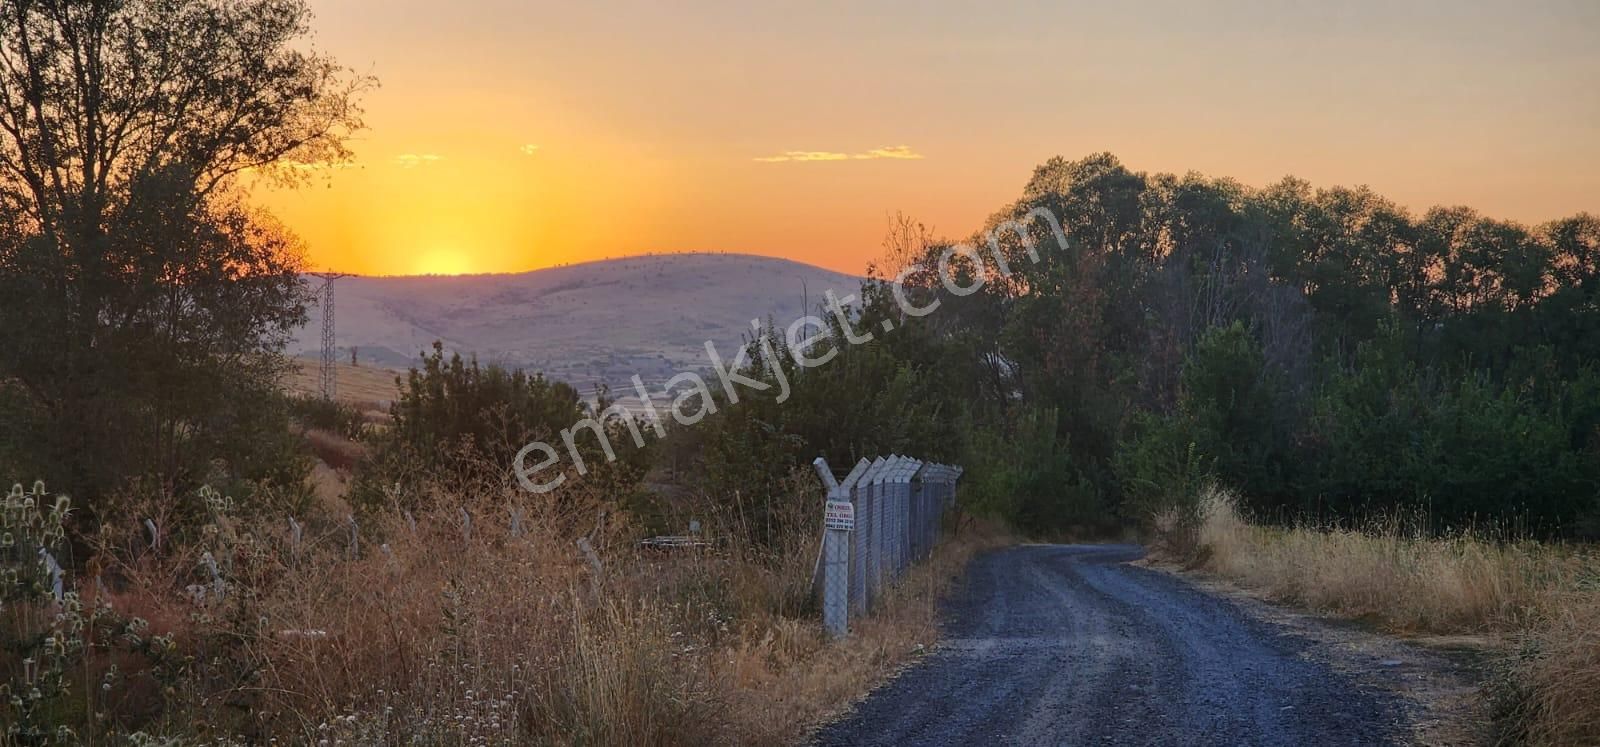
pixel 664 128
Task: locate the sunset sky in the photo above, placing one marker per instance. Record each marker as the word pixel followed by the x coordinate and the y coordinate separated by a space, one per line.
pixel 511 135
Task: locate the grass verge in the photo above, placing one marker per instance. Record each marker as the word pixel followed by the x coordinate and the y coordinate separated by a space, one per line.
pixel 1538 604
pixel 448 628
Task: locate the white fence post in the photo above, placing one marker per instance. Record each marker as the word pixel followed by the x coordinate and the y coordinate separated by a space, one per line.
pixel 839 523
pixel 878 520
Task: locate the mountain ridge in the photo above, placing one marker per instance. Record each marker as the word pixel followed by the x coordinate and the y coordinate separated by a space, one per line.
pixel 590 323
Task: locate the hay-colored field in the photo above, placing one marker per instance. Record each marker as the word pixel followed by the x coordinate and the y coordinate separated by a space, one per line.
pixel 364 385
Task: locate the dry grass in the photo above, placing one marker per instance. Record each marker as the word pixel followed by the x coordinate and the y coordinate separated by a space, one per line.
pixel 1540 600
pixel 788 679
pixel 334 450
pixel 437 636
pixel 365 386
pixel 1556 685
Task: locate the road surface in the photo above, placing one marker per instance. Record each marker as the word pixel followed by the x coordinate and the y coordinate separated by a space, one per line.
pixel 1070 645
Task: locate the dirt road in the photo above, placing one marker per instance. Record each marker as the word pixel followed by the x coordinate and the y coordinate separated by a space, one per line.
pixel 1068 644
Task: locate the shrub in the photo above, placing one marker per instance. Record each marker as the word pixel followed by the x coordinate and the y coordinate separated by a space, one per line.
pixel 459 426
pixel 341 418
pixel 1026 475
pixel 62 655
pixel 1159 469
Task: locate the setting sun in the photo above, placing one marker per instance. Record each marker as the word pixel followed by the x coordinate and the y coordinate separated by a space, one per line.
pixel 442 262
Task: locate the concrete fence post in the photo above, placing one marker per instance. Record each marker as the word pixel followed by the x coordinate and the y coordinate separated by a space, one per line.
pixel 881 517
pixel 900 489
pixel 918 512
pixel 839 523
pixel 854 578
pixel 877 521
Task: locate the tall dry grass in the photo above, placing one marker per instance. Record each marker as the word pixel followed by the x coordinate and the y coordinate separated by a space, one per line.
pixel 1539 602
pixel 433 634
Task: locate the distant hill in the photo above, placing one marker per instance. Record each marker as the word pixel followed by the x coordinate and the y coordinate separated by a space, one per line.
pixel 585 324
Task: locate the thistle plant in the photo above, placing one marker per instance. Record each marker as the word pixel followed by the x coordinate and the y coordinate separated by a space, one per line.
pixel 43 622
pixel 49 634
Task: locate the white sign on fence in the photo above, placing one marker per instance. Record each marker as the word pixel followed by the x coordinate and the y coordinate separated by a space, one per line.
pixel 840 515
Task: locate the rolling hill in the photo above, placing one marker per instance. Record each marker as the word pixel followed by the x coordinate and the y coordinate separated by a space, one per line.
pixel 597 322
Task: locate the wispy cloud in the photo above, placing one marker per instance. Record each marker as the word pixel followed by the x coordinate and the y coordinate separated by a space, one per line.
pixel 413 160
pixel 897 152
pixel 529 149
pixel 892 152
pixel 805 155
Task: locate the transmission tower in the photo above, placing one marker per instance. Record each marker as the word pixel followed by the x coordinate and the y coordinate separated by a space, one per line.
pixel 330 371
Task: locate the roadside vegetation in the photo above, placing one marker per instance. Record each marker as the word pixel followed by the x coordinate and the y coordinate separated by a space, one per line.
pixel 450 628
pixel 1531 607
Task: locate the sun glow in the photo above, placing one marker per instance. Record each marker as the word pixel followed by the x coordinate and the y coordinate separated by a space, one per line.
pixel 659 146
pixel 442 262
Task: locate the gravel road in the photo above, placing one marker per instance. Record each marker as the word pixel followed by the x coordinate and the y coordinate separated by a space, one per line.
pixel 1068 644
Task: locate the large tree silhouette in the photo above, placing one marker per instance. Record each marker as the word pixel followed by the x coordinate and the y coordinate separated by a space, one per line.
pixel 142 301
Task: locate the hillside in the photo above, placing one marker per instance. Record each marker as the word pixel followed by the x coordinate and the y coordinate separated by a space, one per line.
pixel 586 324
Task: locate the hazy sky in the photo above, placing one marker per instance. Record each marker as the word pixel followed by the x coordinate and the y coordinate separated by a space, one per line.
pixel 511 135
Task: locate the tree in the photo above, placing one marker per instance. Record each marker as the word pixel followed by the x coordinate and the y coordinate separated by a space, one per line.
pixel 143 302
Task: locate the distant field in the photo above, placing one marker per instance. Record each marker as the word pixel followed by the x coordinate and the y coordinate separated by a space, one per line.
pixel 362 384
pixel 374 387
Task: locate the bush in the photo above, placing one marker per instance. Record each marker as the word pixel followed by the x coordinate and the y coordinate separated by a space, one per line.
pixel 63 655
pixel 337 417
pixel 1159 469
pixel 1027 477
pixel 460 425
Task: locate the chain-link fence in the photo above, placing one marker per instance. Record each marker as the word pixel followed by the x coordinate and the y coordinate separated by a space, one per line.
pixel 881 517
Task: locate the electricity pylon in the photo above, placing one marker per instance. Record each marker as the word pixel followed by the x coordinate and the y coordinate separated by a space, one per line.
pixel 330 370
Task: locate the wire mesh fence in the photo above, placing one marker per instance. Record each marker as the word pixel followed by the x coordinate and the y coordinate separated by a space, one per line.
pixel 880 518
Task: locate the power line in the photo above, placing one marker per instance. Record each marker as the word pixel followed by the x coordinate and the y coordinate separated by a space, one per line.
pixel 330 369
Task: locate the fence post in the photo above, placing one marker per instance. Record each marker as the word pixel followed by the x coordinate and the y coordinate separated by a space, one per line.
pixel 919 503
pixel 882 517
pixel 891 516
pixel 829 484
pixel 881 546
pixel 838 525
pixel 908 526
pixel 866 539
pixel 595 569
pixel 54 569
pixel 295 533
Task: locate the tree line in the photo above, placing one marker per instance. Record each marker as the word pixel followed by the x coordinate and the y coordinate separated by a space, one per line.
pixel 1326 352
